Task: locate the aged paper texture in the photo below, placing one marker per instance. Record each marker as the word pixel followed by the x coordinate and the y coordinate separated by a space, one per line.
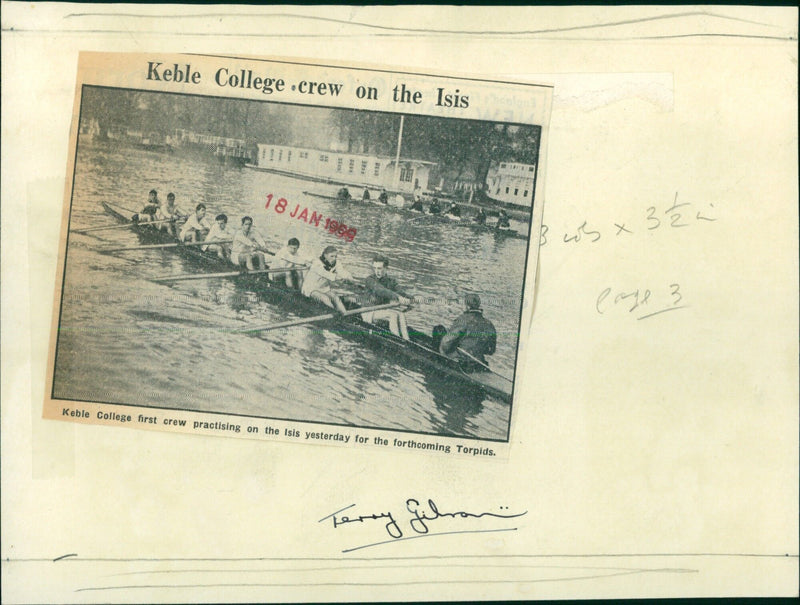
pixel 650 449
pixel 355 259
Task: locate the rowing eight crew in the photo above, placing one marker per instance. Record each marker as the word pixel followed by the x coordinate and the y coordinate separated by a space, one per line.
pixel 165 214
pixel 470 338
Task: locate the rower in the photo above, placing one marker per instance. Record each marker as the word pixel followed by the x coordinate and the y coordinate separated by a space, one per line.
pixel 435 208
pixel 343 194
pixel 471 337
pixel 324 271
pixel 195 226
pixel 248 247
pixel 383 198
pixel 454 210
pixel 365 196
pixel 417 206
pixel 219 232
pixel 480 217
pixel 502 221
pixel 381 289
pixel 287 257
pixel 148 212
pixel 169 212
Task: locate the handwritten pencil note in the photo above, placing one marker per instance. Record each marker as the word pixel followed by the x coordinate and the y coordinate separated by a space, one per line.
pixel 653 449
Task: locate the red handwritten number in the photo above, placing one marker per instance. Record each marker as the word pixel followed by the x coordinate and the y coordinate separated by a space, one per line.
pixel 334 225
pixel 350 235
pixel 269 200
pixel 280 207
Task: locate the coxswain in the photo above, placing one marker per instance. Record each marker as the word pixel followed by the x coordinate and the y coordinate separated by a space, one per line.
pixel 365 197
pixel 219 233
pixel 471 337
pixel 417 206
pixel 480 217
pixel 322 274
pixel 248 247
pixel 343 194
pixel 195 227
pixel 382 289
pixel 383 198
pixel 287 258
pixel 434 208
pixel 502 221
pixel 169 213
pixel 148 212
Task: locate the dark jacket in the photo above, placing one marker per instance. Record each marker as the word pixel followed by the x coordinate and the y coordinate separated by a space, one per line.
pixel 383 290
pixel 473 333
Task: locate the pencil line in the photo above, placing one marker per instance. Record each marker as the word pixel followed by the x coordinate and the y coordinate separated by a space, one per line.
pixel 408 583
pixel 285 35
pixel 407 30
pixel 661 311
pixel 375 567
pixel 446 533
pixel 395 558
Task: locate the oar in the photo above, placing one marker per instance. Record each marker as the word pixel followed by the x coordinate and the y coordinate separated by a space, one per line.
pixel 184 277
pixel 306 320
pixel 171 245
pixel 122 208
pixel 416 218
pixel 125 226
pixel 478 361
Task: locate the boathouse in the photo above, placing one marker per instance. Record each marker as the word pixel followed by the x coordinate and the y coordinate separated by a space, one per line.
pixel 226 147
pixel 511 183
pixel 361 170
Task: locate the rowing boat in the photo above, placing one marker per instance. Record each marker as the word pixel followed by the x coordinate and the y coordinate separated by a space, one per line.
pixel 370 202
pixel 422 216
pixel 451 221
pixel 419 349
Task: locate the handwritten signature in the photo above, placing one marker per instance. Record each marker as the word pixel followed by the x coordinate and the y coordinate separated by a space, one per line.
pixel 418 519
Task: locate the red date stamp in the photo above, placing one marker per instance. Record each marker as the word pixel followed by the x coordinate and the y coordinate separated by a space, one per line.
pixel 312 217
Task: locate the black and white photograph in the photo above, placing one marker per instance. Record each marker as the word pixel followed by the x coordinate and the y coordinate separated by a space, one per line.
pixel 296 262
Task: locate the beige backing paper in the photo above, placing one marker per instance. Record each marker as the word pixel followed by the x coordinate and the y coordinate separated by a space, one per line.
pixel 657 456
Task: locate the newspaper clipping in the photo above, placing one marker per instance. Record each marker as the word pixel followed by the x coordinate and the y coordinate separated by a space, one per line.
pixel 284 250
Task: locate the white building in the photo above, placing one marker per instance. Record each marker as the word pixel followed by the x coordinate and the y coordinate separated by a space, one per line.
pixel 349 168
pixel 510 182
pixel 219 146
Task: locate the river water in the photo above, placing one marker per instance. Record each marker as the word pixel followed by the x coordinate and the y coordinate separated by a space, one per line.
pixel 124 338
